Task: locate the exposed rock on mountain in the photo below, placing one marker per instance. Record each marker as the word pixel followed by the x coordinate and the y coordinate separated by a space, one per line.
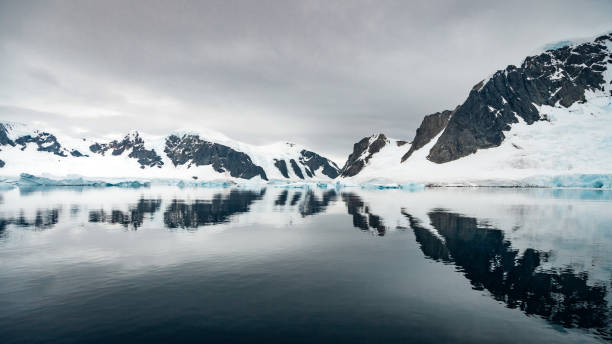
pixel 314 161
pixel 554 77
pixel 4 139
pixel 430 127
pixel 45 142
pixel 192 150
pixel 362 153
pixel 133 142
pixel 545 123
pixel 282 167
pixel 296 169
pixel 304 163
pixel 179 156
pixel 77 154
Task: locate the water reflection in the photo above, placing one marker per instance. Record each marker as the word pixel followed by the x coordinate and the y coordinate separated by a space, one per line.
pixel 134 217
pixel 281 200
pixel 312 205
pixel 522 279
pixel 308 202
pixel 42 219
pixel 362 217
pixel 561 295
pixel 183 214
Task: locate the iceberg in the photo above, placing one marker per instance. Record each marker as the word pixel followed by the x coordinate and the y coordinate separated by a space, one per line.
pixel 29 180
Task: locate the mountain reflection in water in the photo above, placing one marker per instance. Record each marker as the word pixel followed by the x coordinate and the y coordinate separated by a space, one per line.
pixel 133 217
pixel 522 279
pixel 183 214
pixel 561 295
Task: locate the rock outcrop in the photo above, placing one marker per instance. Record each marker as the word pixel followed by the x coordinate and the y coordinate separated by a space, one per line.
pixel 45 142
pixel 133 143
pixel 362 153
pixel 430 127
pixel 314 162
pixel 192 150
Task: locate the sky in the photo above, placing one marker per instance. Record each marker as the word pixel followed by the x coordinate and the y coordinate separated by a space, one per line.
pixel 320 73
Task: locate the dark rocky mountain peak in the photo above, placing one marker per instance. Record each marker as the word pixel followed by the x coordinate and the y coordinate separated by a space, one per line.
pixel 306 165
pixel 281 165
pixel 4 139
pixel 313 161
pixel 135 145
pixel 44 142
pixel 430 127
pixel 180 149
pixel 362 153
pixel 192 150
pixel 555 77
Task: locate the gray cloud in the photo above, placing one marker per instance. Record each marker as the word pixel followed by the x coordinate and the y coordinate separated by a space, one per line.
pixel 320 73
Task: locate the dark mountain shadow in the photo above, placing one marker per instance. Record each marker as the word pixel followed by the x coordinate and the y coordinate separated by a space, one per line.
pixel 182 214
pixel 562 296
pixel 362 217
pixel 134 217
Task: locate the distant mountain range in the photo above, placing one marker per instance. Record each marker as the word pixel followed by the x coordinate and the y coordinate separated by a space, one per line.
pixel 208 156
pixel 550 116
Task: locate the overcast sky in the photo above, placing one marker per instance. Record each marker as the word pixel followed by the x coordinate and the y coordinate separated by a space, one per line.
pixel 320 73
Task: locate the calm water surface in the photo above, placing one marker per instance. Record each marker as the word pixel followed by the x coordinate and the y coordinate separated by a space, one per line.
pixel 165 264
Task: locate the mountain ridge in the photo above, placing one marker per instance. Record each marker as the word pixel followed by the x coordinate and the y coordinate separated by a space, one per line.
pixel 514 125
pixel 549 116
pixel 141 155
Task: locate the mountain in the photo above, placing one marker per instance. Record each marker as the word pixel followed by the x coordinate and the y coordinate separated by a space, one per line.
pixel 544 123
pixel 363 151
pixel 548 118
pixel 181 155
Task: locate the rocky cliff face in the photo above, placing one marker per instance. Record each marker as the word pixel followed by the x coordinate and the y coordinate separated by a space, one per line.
pixel 191 150
pixel 305 164
pixel 45 142
pixel 430 127
pixel 4 139
pixel 556 76
pixel 314 162
pixel 135 145
pixel 362 153
pixel 281 165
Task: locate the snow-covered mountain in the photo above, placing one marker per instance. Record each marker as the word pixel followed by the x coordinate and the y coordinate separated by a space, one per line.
pixel 547 121
pixel 182 155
